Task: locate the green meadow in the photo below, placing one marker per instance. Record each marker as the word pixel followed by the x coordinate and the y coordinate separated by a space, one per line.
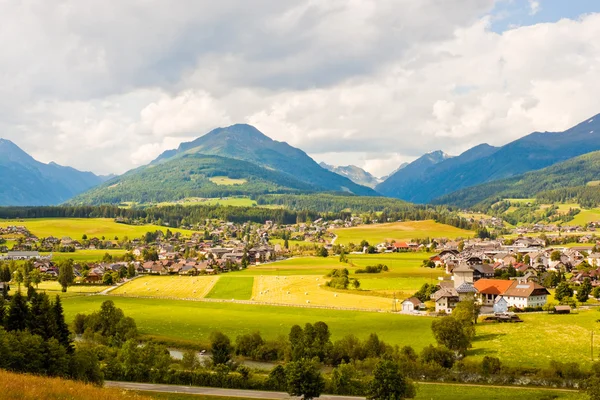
pixel 75 228
pixel 191 322
pixel 229 287
pixel 399 231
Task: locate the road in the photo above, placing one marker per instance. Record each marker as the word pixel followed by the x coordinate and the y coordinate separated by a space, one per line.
pixel 255 394
pixel 247 394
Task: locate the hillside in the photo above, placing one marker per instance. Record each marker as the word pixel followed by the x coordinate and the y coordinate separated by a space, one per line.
pixel 246 143
pixel 485 163
pixel 354 173
pixel 578 171
pixel 192 175
pixel 27 182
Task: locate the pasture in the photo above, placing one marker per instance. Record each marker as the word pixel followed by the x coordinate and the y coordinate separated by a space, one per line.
pixel 174 287
pixel 191 322
pixel 226 181
pixel 399 231
pixel 200 201
pixel 585 217
pixel 75 228
pixel 295 266
pixel 234 288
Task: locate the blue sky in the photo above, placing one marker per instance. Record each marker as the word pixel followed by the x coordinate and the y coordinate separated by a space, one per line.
pixel 508 14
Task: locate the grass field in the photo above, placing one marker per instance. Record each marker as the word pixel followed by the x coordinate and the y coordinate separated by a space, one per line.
pixel 227 201
pixel 541 338
pixel 75 228
pixel 176 287
pixel 399 231
pixel 30 387
pixel 296 266
pixel 225 181
pixel 235 288
pixel 178 321
pixel 585 217
pixel 86 255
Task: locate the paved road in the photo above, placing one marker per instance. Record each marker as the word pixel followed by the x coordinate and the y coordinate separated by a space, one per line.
pixel 255 394
pixel 248 394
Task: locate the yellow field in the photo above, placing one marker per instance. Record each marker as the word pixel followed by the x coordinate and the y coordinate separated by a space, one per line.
pixel 223 180
pixel 306 290
pixel 75 228
pixel 399 231
pixel 176 287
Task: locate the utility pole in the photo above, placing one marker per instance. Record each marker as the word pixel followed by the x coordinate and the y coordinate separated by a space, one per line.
pixel 592 347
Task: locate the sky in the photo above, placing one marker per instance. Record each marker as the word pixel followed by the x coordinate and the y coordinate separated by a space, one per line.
pixel 106 86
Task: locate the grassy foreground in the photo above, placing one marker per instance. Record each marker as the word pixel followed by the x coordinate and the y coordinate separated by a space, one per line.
pixel 29 387
pixel 399 231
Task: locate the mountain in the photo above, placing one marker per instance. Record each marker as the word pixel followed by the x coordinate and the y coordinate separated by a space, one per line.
pixel 233 161
pixel 578 171
pixel 246 143
pixel 485 163
pixel 354 173
pixel 399 182
pixel 383 178
pixel 27 182
pixel 192 175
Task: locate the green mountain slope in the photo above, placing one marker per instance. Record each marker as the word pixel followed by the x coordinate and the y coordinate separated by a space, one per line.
pixel 574 172
pixel 245 142
pixel 486 163
pixel 27 182
pixel 189 175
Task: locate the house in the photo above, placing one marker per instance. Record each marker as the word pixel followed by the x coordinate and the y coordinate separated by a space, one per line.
pixel 188 270
pixel 22 255
pixel 500 305
pixel 517 293
pixel 482 271
pixel 446 300
pixel 412 304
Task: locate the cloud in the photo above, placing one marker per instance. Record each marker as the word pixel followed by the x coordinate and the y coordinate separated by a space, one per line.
pixel 350 82
pixel 534 7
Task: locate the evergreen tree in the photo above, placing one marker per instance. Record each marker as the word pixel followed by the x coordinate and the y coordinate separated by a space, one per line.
pixel 18 313
pixel 63 335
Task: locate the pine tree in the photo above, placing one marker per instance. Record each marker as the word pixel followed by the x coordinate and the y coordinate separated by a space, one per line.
pixel 18 313
pixel 63 335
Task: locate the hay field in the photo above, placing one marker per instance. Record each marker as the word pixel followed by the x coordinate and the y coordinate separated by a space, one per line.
pixel 306 291
pixel 175 287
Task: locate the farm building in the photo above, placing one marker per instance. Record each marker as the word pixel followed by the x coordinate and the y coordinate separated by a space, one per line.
pixel 412 304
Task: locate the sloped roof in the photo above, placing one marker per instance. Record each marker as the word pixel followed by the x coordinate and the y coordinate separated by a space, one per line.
pixel 466 288
pixel 522 289
pixel 493 286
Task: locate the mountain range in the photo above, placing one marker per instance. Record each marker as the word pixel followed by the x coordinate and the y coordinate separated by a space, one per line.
pixel 433 176
pixel 26 181
pixel 240 160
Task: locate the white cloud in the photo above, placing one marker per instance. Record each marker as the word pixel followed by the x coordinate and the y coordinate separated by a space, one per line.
pixel 350 82
pixel 534 7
